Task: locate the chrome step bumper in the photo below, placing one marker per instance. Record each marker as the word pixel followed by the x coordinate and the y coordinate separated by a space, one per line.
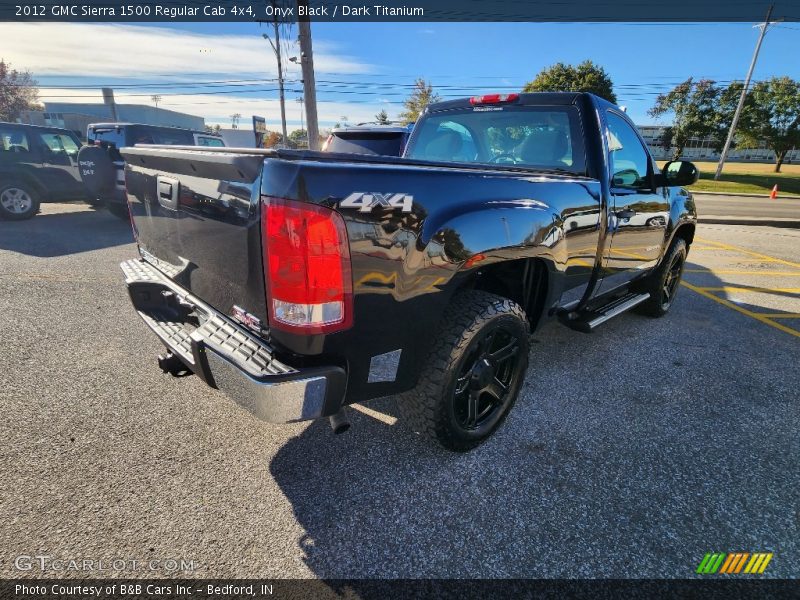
pixel 227 356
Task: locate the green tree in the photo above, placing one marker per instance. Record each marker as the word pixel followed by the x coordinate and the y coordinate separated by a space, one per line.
pixel 422 95
pixel 724 108
pixel 694 106
pixel 382 117
pixel 773 117
pixel 18 92
pixel 299 137
pixel 585 77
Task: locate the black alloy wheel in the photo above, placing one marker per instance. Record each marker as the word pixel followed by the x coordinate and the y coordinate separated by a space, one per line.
pixel 484 382
pixel 672 280
pixel 473 372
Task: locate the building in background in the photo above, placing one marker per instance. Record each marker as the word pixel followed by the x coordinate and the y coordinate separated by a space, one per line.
pixel 701 149
pixel 77 116
pixel 238 138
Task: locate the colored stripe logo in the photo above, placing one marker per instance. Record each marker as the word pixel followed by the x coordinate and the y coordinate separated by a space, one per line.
pixel 732 563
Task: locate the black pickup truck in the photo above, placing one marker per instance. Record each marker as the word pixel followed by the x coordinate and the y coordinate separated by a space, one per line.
pixel 300 282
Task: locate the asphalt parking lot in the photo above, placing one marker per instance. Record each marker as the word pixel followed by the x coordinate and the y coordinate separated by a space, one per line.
pixel 632 452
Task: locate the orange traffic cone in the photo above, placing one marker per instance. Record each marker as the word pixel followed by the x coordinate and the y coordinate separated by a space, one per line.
pixel 774 193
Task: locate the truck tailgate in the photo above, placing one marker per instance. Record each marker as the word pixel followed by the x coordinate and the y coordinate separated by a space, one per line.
pixel 196 217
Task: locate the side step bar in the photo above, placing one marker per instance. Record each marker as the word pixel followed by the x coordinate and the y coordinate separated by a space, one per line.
pixel 586 322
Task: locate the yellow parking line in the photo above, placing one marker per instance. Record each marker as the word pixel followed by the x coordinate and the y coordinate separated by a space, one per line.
pixel 760 290
pixel 736 272
pixel 741 310
pixel 780 315
pixel 760 260
pixel 722 246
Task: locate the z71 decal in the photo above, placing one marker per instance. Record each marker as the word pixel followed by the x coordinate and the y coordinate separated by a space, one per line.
pixel 366 202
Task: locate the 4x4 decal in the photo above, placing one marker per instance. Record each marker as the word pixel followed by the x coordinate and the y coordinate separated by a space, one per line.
pixel 365 202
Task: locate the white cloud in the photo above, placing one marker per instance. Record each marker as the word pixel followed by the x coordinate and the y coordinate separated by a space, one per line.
pixel 111 50
pixel 217 109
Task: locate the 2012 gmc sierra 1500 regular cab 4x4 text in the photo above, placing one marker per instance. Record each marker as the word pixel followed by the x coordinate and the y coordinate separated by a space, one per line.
pixel 300 282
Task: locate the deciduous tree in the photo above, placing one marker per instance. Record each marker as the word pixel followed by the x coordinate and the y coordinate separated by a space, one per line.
pixel 18 92
pixel 693 106
pixel 585 77
pixel 774 117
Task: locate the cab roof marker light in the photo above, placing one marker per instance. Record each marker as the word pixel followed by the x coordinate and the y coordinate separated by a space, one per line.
pixel 493 99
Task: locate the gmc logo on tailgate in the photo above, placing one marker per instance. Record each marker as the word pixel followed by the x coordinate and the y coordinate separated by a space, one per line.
pixel 366 202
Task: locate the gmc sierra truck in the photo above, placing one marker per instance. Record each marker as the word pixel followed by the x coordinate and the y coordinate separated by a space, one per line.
pixel 301 282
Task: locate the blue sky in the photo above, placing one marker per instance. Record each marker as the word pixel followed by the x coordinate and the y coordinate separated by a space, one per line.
pixel 363 67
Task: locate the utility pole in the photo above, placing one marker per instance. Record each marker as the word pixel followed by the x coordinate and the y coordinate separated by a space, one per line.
pixel 309 83
pixel 302 127
pixel 276 47
pixel 108 100
pixel 739 107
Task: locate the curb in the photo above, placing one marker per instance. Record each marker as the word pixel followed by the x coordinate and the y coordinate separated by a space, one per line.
pixel 756 221
pixel 744 195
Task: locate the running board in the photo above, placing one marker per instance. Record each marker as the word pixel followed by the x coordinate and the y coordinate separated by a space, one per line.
pixel 587 321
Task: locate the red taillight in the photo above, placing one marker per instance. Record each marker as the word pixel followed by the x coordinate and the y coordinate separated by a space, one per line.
pixel 306 267
pixel 494 99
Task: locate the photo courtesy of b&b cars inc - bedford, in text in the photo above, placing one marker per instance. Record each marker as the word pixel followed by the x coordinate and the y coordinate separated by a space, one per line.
pixel 418 299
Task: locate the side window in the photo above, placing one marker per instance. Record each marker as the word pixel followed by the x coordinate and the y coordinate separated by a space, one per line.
pixel 59 144
pixel 629 160
pixel 13 140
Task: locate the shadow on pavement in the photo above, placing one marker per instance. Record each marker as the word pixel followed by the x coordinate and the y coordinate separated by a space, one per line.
pixel 616 465
pixel 58 233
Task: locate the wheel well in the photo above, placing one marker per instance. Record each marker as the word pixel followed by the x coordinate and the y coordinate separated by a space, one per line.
pixel 524 281
pixel 31 181
pixel 686 233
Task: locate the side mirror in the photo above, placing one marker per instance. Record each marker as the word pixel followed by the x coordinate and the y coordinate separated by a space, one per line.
pixel 680 172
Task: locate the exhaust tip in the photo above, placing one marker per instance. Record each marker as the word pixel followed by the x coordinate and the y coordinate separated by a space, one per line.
pixel 339 422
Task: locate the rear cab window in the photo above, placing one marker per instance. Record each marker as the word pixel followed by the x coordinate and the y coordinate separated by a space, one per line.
pixel 359 142
pixel 157 135
pixel 210 142
pixel 113 136
pixel 543 137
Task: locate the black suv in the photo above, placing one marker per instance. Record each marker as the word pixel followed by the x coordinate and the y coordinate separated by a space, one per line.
pixel 37 164
pixel 369 138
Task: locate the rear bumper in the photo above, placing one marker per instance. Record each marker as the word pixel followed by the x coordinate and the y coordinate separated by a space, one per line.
pixel 227 356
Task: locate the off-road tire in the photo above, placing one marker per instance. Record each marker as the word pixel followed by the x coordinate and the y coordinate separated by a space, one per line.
pixel 658 304
pixel 429 408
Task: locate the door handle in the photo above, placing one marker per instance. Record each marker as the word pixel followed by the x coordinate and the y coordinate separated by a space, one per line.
pixel 625 214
